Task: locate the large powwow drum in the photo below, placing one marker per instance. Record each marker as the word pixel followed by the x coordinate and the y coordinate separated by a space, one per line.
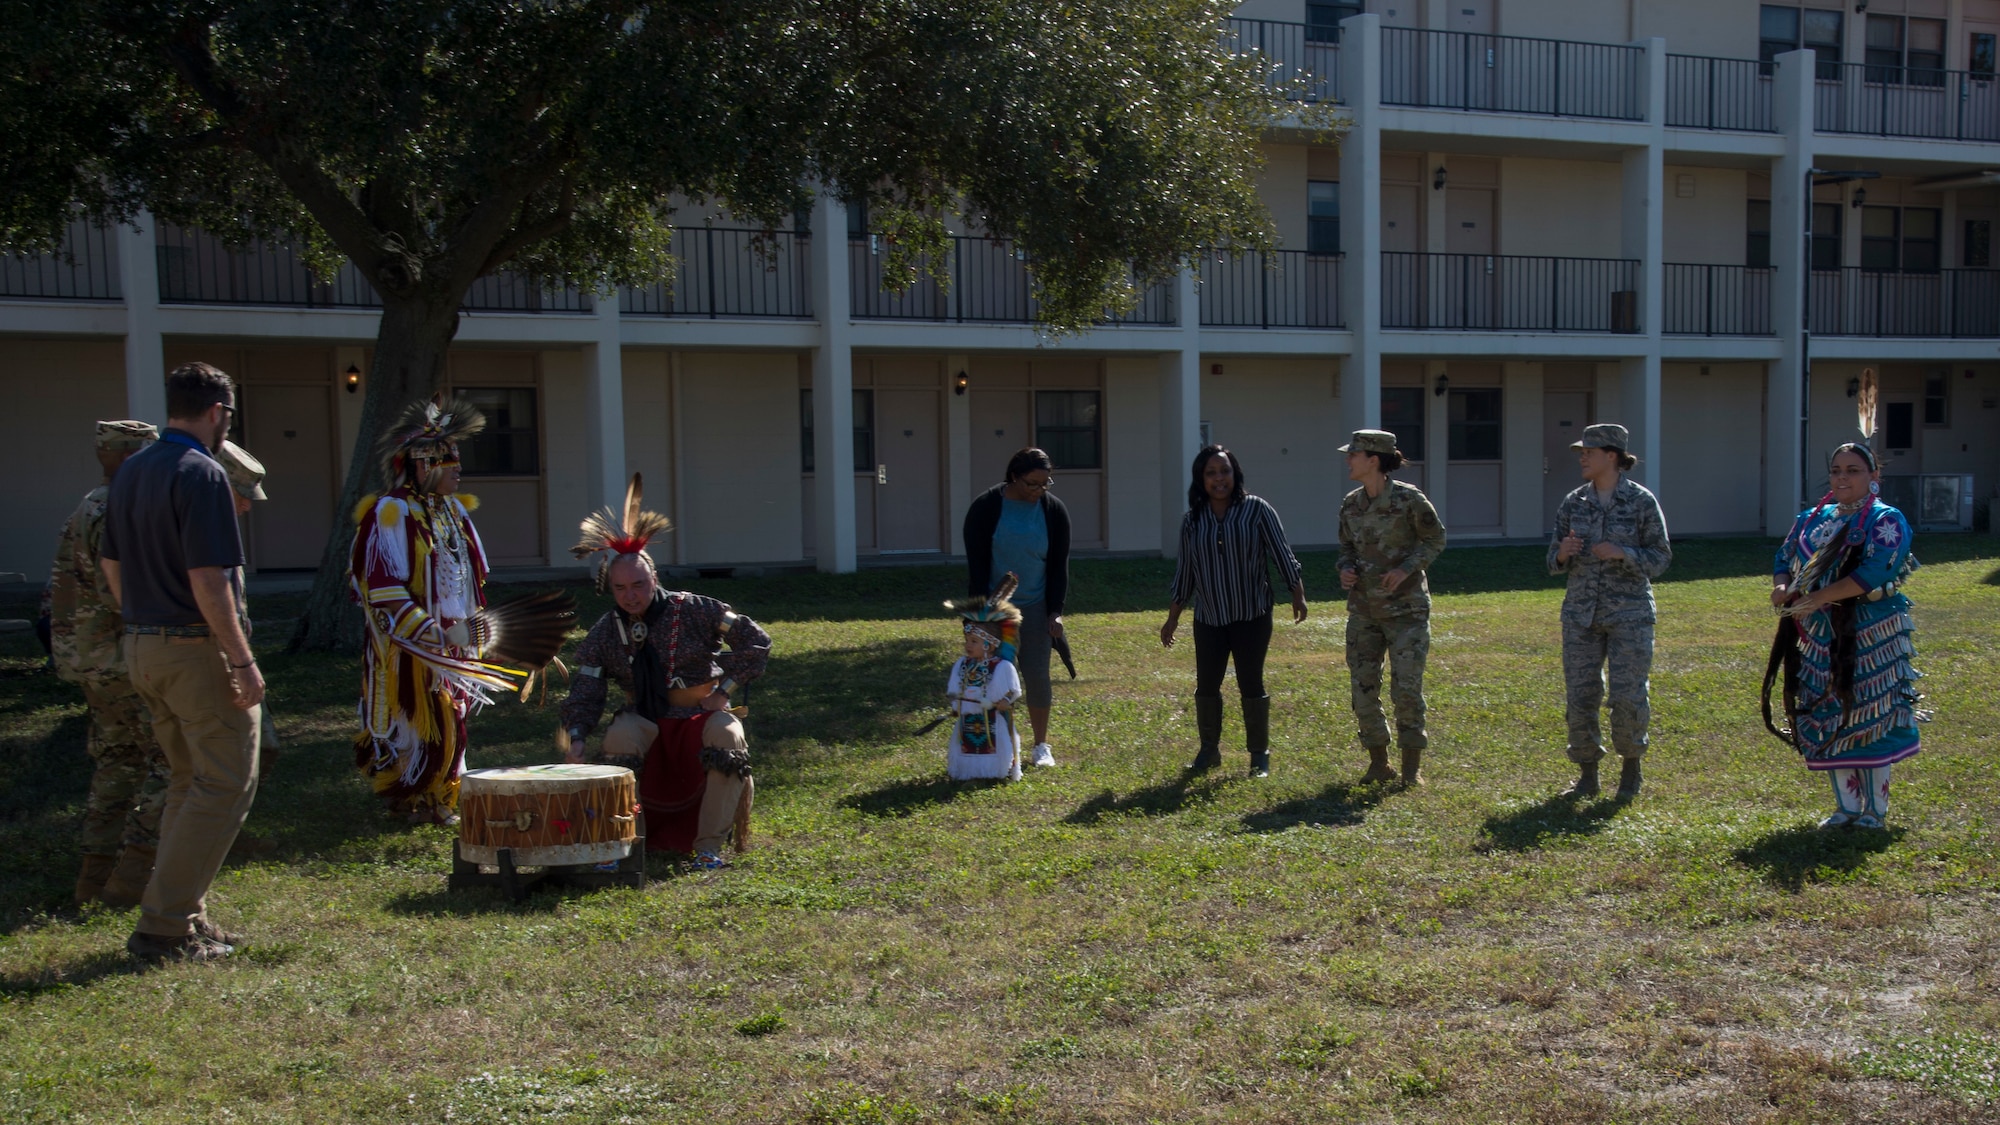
pixel 549 815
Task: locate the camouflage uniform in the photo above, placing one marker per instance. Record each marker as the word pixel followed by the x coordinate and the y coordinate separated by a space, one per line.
pixel 1398 530
pixel 128 787
pixel 1607 615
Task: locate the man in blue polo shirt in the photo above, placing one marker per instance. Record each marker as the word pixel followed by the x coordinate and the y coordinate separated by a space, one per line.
pixel 173 557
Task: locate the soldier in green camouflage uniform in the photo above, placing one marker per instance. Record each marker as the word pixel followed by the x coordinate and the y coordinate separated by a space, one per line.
pixel 1389 537
pixel 1611 540
pixel 128 786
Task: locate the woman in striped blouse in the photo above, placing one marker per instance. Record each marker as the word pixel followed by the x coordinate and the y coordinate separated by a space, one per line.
pixel 1226 537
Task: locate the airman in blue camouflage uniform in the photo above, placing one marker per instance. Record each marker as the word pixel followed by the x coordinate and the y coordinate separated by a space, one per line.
pixel 1389 536
pixel 1611 540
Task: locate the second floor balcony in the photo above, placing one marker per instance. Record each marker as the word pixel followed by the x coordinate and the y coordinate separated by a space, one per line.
pixel 1510 74
pixel 1304 61
pixel 1509 293
pixel 84 268
pixel 1279 289
pixel 1709 300
pixel 731 272
pixel 982 281
pixel 1898 101
pixel 1950 304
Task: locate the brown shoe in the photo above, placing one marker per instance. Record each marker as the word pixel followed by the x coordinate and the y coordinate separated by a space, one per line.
pixel 90 880
pixel 129 877
pixel 1378 766
pixel 157 949
pixel 212 932
pixel 1413 767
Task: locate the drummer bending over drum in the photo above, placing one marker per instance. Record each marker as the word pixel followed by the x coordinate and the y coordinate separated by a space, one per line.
pixel 676 730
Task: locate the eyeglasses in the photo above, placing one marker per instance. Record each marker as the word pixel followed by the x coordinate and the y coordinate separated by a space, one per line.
pixel 1033 487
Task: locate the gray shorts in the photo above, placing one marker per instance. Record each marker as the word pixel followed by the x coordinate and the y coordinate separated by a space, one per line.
pixel 1032 657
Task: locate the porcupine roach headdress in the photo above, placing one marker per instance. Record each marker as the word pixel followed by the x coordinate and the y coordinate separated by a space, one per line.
pixel 427 428
pixel 611 536
pixel 994 616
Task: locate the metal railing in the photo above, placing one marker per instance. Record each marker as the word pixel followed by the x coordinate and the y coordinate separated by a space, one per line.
pixel 1300 61
pixel 84 268
pixel 1509 74
pixel 989 283
pixel 1946 303
pixel 1507 293
pixel 726 271
pixel 1281 289
pixel 1706 93
pixel 1702 300
pixel 513 292
pixel 1894 101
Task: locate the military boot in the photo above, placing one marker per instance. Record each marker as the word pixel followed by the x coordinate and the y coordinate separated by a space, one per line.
pixel 1208 726
pixel 1378 766
pixel 1413 764
pixel 1257 734
pixel 127 884
pixel 1585 784
pixel 90 880
pixel 1628 779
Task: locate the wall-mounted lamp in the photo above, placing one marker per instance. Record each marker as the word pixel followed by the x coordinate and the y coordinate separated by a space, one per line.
pixel 1860 197
pixel 1437 179
pixel 353 378
pixel 1860 6
pixel 1853 387
pixel 958 385
pixel 1443 385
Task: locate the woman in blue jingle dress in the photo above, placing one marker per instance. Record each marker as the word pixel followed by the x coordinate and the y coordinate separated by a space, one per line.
pixel 1843 650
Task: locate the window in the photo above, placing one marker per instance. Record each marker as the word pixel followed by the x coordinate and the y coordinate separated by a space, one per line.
pixel 1826 219
pixel 1979 58
pixel 1322 217
pixel 1900 239
pixel 864 431
pixel 1937 398
pixel 1782 29
pixel 857 218
pixel 1757 235
pixel 1905 50
pixel 1403 415
pixel 1899 425
pixel 1978 251
pixel 1323 20
pixel 508 446
pixel 1475 424
pixel 1068 430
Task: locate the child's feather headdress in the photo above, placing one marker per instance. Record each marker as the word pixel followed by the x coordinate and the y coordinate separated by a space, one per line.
pixel 994 616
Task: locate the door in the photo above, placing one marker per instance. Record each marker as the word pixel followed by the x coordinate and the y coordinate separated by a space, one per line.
pixel 1468 295
pixel 1564 415
pixel 289 429
pixel 909 487
pixel 1000 427
pixel 1480 53
pixel 1404 268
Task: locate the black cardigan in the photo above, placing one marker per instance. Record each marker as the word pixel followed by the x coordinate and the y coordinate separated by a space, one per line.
pixel 983 518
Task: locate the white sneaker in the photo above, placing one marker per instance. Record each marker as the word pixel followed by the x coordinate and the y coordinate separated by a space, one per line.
pixel 1042 755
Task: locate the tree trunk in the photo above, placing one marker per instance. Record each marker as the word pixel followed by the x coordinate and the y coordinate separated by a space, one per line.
pixel 410 348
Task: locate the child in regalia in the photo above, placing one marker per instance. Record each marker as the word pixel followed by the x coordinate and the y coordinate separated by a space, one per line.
pixel 983 689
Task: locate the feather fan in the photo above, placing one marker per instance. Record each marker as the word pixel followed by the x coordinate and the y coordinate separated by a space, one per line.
pixel 527 631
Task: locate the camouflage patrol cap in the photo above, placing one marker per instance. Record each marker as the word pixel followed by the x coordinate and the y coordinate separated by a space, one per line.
pixel 1604 435
pixel 246 473
pixel 126 436
pixel 1370 441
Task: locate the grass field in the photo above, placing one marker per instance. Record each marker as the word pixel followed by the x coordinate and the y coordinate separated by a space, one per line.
pixel 1106 941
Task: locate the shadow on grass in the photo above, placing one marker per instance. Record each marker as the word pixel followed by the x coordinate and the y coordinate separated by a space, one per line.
pixel 1548 820
pixel 1159 799
pixel 1339 805
pixel 79 973
pixel 866 697
pixel 1792 857
pixel 907 796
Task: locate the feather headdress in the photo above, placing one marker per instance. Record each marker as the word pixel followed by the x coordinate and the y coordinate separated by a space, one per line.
pixel 1865 401
pixel 613 535
pixel 994 615
pixel 426 429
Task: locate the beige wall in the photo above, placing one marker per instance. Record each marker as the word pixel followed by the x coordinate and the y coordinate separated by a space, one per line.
pixel 648 434
pixel 1590 21
pixel 1282 184
pixel 566 446
pixel 1132 454
pixel 1288 11
pixel 62 389
pixel 1707 228
pixel 1279 414
pixel 1712 424
pixel 1718 28
pixel 739 435
pixel 1560 208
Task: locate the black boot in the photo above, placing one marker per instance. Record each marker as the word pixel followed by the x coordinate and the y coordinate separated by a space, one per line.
pixel 1257 734
pixel 1208 725
pixel 1628 779
pixel 1585 784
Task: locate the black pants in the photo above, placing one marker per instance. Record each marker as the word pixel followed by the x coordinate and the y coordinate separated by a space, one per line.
pixel 1214 645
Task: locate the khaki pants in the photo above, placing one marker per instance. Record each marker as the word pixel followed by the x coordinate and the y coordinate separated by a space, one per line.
pixel 211 750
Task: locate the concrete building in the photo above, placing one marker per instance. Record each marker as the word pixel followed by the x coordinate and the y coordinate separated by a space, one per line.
pixel 1542 213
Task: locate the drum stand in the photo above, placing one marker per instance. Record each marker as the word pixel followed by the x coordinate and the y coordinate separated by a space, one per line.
pixel 629 872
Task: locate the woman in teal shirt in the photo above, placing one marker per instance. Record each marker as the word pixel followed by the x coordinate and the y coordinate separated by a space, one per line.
pixel 1020 526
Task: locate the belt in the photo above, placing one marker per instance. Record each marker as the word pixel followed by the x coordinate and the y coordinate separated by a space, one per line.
pixel 689 696
pixel 168 630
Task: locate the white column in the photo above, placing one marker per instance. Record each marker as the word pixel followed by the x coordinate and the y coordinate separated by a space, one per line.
pixel 832 390
pixel 1643 237
pixel 145 359
pixel 1180 413
pixel 604 408
pixel 958 447
pixel 1791 197
pixel 1361 222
